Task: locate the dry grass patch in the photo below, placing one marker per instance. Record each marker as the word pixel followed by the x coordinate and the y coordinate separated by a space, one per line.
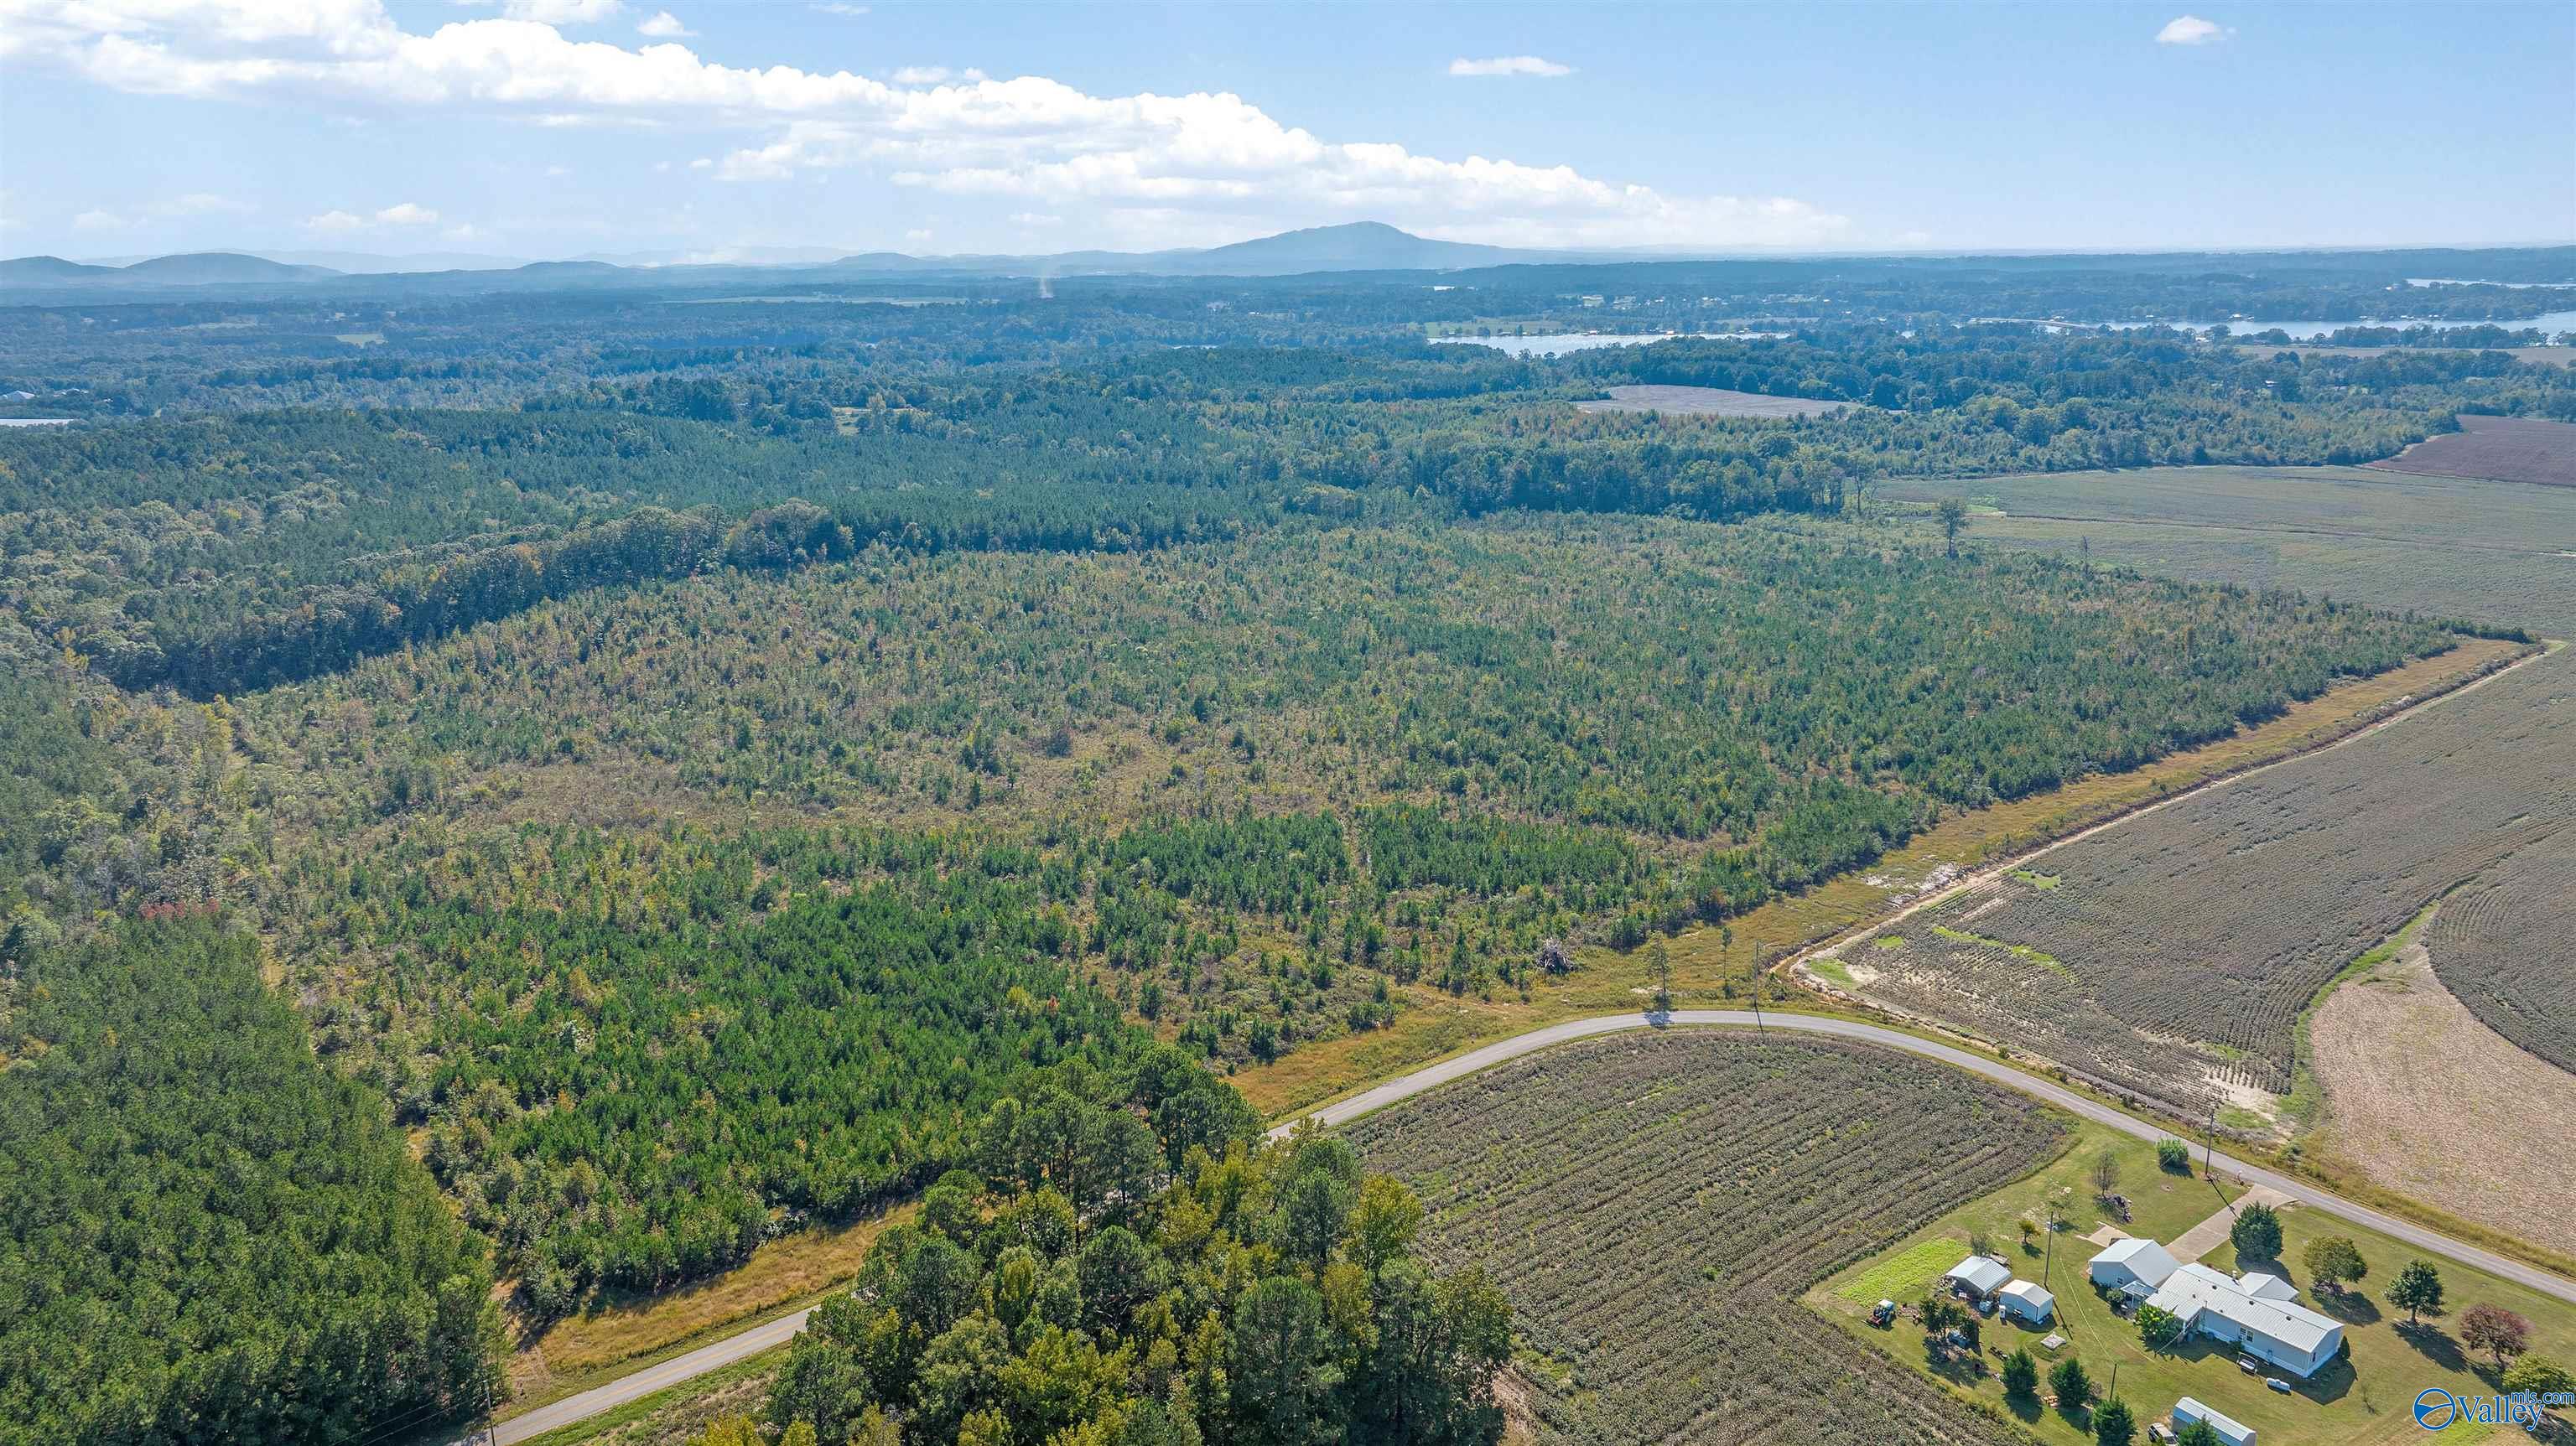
pixel 2424 1098
pixel 778 1277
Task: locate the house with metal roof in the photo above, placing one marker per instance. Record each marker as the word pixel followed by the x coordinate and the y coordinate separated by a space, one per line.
pixel 2267 1287
pixel 2235 1433
pixel 2281 1332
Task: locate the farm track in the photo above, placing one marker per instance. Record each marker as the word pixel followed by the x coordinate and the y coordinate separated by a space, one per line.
pixel 2004 868
pixel 2187 973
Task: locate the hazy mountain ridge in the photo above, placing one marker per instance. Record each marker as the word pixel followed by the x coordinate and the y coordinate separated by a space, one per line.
pixel 1357 246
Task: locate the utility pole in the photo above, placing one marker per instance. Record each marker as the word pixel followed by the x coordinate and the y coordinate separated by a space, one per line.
pixel 2209 1144
pixel 1758 972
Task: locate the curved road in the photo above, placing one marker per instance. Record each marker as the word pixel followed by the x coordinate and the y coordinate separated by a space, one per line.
pixel 776 1332
pixel 1432 1076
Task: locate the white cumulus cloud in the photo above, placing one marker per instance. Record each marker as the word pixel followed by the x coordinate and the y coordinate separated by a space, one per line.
pixel 558 12
pixel 204 203
pixel 1508 65
pixel 663 25
pixel 2191 30
pixel 97 221
pixel 401 213
pixel 1211 165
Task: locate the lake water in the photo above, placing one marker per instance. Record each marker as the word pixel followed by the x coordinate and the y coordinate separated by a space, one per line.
pixel 2548 324
pixel 1591 340
pixel 2507 285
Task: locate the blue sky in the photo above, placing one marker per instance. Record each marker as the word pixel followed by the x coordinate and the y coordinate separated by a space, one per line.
pixel 542 128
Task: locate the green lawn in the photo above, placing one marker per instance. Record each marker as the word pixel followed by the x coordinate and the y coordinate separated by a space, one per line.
pixel 1906 1274
pixel 2365 1399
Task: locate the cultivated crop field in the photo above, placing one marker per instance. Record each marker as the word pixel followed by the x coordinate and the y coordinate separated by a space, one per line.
pixel 2446 547
pixel 2506 945
pixel 1655 1206
pixel 2507 449
pixel 2174 954
pixel 1710 402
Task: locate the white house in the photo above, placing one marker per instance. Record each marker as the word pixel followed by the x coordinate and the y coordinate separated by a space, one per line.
pixel 2028 1302
pixel 2232 1432
pixel 2281 1332
pixel 2133 1265
pixel 1981 1274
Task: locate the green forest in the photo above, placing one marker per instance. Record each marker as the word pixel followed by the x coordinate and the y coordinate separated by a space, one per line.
pixel 1266 1294
pixel 210 1236
pixel 529 811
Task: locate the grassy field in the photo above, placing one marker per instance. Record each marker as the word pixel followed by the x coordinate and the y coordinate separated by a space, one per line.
pixel 1710 402
pixel 2166 974
pixel 2447 547
pixel 1712 966
pixel 2362 1401
pixel 1656 1204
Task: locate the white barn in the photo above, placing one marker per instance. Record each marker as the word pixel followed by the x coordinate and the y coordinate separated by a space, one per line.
pixel 2133 1264
pixel 2025 1301
pixel 1982 1274
pixel 2280 1332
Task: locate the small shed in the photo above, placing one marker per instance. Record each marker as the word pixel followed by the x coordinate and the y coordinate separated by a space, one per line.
pixel 2136 1265
pixel 2029 1303
pixel 1983 1275
pixel 2229 1430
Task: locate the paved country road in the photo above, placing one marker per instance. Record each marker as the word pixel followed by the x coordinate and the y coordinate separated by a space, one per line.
pixel 645 1382
pixel 1433 1076
pixel 761 1337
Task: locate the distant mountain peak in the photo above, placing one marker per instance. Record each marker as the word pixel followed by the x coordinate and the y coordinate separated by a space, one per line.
pixel 1349 246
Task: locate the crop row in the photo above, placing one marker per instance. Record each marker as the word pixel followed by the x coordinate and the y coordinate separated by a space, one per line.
pixel 2506 945
pixel 1655 1206
pixel 2197 934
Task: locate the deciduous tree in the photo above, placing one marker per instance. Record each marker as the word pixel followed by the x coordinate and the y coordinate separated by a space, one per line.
pixel 2485 1327
pixel 2417 1289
